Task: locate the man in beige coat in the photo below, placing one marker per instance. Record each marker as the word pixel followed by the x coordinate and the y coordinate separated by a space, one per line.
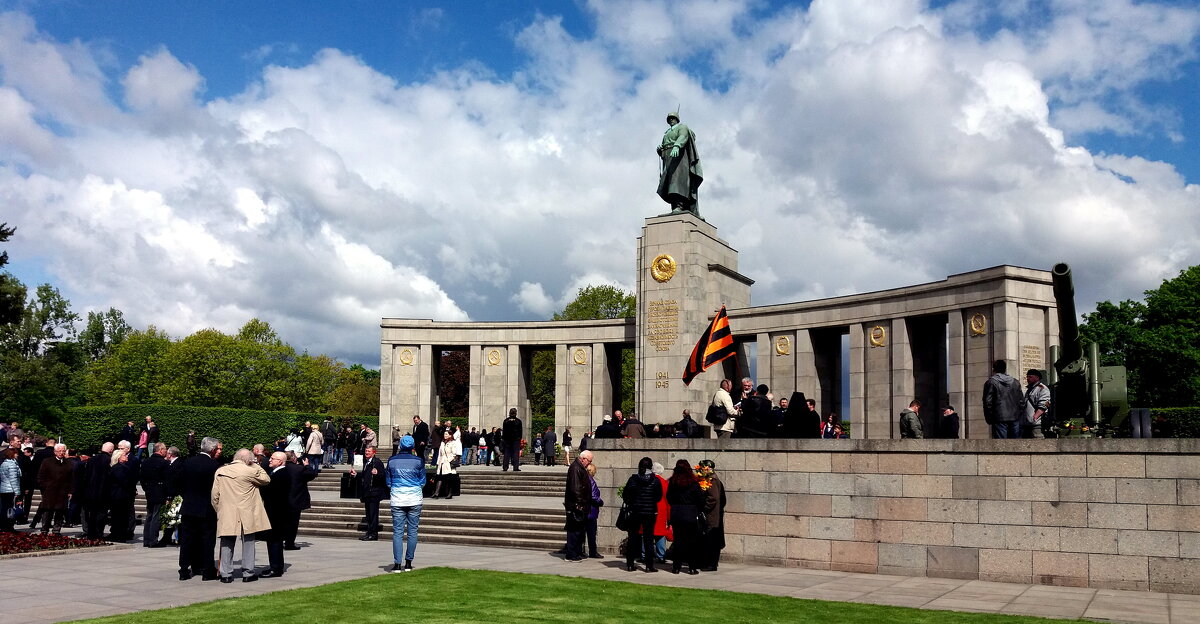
pixel 240 511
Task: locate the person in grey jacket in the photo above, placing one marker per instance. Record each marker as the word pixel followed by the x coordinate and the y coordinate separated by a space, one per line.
pixel 1037 402
pixel 1003 403
pixel 910 421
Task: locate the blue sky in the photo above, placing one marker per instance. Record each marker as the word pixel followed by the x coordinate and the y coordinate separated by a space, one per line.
pixel 323 164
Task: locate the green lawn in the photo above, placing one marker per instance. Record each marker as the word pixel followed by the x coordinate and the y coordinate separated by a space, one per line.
pixel 450 595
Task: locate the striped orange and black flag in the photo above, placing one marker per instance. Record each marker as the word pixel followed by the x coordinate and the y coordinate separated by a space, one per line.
pixel 715 344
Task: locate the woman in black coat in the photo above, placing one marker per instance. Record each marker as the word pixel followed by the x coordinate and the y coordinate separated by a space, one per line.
pixel 641 495
pixel 686 500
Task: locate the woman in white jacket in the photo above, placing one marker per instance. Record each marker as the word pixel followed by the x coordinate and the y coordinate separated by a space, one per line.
pixel 449 459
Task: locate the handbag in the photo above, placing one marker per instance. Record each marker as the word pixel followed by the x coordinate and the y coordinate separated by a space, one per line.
pixel 716 415
pixel 624 519
pixel 16 512
pixel 701 524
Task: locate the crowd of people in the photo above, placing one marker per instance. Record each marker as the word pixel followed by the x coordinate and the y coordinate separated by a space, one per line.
pixel 687 509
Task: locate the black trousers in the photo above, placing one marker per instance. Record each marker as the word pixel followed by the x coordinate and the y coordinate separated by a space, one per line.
pixel 291 528
pixel 646 524
pixel 512 452
pixel 119 516
pixel 591 538
pixel 197 544
pixel 152 525
pixel 274 549
pixel 686 545
pixel 372 506
pixel 96 516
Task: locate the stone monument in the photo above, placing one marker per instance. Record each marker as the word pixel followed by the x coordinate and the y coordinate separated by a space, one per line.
pixel 685 273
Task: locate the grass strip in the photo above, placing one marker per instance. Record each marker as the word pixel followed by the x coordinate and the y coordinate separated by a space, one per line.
pixel 432 595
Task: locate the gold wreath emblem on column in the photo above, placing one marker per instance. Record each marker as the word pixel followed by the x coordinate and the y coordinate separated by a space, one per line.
pixel 493 357
pixel 663 268
pixel 783 345
pixel 580 356
pixel 878 336
pixel 978 324
pixel 406 357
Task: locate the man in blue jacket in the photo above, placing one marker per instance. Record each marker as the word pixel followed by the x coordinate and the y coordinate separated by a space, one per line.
pixel 406 480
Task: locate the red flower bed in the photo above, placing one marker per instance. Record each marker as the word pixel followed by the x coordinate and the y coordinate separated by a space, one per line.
pixel 11 543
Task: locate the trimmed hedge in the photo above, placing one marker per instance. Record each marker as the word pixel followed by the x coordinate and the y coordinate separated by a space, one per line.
pixel 1175 422
pixel 236 428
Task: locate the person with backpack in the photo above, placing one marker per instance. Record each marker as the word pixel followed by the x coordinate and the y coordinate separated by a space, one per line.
pixel 329 434
pixel 686 427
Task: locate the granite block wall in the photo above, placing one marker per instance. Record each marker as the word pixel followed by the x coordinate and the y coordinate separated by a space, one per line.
pixel 1119 514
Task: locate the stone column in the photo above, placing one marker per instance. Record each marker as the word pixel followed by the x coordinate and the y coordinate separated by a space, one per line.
pixel 562 390
pixel 978 324
pixel 494 384
pixel 475 416
pixel 903 383
pixel 857 409
pixel 956 370
pixel 602 388
pixel 386 376
pixel 684 274
pixel 879 380
pixel 1005 332
pixel 807 379
pixel 579 383
pixel 781 358
pixel 518 393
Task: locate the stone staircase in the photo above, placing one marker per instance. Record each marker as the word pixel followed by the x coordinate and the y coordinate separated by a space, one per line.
pixel 486 516
pixel 476 481
pixel 446 523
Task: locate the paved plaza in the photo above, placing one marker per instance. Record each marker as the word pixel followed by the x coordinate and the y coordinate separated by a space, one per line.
pixel 88 584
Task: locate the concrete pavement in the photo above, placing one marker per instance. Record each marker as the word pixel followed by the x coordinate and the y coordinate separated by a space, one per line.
pixel 89 584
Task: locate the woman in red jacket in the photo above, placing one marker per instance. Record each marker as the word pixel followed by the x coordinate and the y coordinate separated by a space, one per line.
pixel 662 532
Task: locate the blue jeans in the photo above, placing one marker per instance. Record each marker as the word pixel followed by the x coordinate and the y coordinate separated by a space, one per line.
pixel 402 517
pixel 1006 430
pixel 337 454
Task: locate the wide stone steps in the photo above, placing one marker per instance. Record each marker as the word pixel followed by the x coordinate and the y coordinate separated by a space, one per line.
pixel 475 483
pixel 444 523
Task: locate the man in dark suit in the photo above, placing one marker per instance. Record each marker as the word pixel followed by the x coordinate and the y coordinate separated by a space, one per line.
pixel 511 438
pixel 420 436
pixel 154 484
pixel 93 491
pixel 801 420
pixel 298 500
pixel 373 487
pixel 198 538
pixel 276 500
pixel 35 465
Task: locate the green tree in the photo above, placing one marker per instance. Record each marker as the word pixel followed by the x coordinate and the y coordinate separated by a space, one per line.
pixel 39 361
pixel 103 332
pixel 316 380
pixel 1157 341
pixel 599 302
pixel 1168 350
pixel 131 372
pixel 590 303
pixel 357 393
pixel 12 293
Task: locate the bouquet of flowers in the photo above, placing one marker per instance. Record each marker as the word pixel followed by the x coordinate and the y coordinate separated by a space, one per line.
pixel 170 513
pixel 704 474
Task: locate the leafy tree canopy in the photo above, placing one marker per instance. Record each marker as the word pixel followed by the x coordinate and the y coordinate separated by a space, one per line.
pixel 1157 341
pixel 599 302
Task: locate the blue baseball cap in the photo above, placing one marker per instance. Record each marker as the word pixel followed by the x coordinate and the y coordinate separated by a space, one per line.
pixel 407 442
